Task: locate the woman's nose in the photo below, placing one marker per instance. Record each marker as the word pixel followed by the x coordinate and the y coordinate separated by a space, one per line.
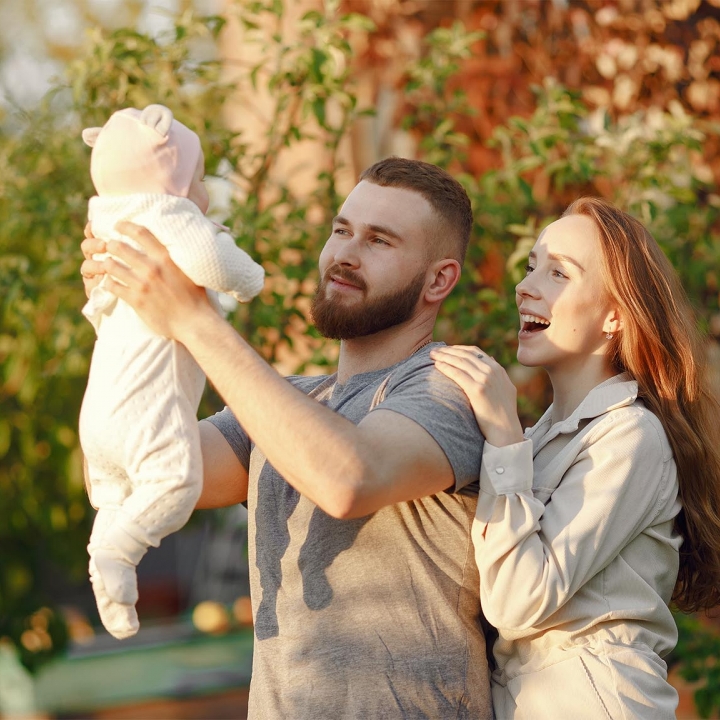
pixel 525 287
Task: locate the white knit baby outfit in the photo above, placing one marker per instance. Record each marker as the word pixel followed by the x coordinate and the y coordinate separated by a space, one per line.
pixel 138 423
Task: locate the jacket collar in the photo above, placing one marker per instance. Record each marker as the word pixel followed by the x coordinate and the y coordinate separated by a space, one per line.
pixel 618 391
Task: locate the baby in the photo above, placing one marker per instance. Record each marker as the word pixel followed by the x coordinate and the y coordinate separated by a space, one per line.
pixel 138 424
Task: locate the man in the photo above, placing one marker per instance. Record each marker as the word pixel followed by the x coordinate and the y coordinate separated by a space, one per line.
pixel 361 487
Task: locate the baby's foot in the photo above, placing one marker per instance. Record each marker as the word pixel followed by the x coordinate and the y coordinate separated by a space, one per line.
pixel 114 584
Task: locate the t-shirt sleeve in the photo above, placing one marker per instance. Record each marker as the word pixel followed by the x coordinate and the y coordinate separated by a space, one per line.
pixel 423 394
pixel 226 422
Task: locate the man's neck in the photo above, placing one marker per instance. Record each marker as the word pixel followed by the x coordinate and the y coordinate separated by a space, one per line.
pixel 383 349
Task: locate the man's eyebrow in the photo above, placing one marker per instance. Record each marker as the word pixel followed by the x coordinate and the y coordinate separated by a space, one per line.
pixel 561 258
pixel 380 229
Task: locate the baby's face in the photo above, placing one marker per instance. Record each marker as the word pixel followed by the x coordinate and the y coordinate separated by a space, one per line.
pixel 198 192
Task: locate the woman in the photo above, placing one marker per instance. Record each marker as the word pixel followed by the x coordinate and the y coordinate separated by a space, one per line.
pixel 608 508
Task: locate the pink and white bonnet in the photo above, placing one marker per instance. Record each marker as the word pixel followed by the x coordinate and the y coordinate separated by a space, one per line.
pixel 143 152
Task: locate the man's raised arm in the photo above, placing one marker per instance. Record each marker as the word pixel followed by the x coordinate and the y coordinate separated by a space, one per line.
pixel 347 470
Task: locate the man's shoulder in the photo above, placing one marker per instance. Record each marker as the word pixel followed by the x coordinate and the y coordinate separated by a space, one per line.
pixel 418 365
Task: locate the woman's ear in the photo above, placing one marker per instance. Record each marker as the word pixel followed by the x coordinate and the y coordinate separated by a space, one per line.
pixel 613 322
pixel 446 273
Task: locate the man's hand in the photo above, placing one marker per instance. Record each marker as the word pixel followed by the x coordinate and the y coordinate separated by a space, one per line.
pixel 91 270
pixel 150 282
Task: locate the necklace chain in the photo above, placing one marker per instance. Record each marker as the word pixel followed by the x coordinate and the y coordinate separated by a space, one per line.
pixel 427 342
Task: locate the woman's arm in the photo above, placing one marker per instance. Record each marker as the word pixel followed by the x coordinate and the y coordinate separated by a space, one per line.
pixel 532 557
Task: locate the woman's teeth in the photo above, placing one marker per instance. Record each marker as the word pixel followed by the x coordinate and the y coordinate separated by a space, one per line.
pixel 533 322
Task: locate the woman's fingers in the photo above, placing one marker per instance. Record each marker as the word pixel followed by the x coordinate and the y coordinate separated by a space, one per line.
pixel 467 371
pixel 457 374
pixel 469 358
pixel 462 351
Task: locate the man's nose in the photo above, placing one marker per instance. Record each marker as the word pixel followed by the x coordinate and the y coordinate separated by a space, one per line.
pixel 347 253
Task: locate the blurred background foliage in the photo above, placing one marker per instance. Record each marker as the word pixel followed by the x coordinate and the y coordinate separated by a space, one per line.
pixel 529 104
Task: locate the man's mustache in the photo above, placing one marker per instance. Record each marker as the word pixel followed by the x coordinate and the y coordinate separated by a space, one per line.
pixel 341 273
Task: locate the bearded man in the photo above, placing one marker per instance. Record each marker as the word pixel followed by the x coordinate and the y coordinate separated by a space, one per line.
pixel 361 486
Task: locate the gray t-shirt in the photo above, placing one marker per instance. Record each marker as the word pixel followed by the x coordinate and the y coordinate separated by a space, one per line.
pixel 377 617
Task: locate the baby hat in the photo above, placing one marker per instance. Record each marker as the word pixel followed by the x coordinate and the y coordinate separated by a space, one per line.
pixel 142 152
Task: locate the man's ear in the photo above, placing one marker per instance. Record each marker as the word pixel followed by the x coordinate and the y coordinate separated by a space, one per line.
pixel 445 275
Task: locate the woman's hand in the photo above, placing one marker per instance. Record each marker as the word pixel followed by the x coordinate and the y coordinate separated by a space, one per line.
pixel 91 270
pixel 491 393
pixel 151 283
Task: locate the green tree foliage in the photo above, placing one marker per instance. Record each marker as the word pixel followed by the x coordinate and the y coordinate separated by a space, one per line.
pixel 43 356
pixel 697 654
pixel 648 162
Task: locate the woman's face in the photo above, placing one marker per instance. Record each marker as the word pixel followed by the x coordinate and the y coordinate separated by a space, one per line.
pixel 564 308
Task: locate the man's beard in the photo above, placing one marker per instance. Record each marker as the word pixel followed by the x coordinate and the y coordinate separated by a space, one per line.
pixel 334 320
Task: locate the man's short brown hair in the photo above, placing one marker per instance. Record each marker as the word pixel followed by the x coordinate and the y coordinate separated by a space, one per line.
pixel 445 194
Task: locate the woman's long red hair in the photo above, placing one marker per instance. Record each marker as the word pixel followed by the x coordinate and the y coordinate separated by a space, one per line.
pixel 661 347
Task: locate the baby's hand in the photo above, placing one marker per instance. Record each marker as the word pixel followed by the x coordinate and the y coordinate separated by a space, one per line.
pixel 91 270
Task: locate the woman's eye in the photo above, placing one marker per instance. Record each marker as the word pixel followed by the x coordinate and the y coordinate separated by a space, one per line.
pixel 528 269
pixel 558 273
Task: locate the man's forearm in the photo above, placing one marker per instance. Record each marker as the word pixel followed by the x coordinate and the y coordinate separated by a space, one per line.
pixel 317 451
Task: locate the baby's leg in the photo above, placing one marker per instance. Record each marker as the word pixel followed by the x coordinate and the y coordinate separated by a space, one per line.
pixel 112 574
pixel 164 463
pixel 166 476
pixel 114 556
pixel 161 463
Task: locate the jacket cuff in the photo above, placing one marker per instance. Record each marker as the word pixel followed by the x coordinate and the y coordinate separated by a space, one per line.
pixel 507 470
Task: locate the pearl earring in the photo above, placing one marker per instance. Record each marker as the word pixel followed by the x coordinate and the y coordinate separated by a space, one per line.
pixel 608 336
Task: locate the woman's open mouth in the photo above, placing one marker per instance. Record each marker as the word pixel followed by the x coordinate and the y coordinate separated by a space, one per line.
pixel 532 324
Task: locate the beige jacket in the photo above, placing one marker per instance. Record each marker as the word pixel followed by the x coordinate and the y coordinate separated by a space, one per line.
pixel 574 535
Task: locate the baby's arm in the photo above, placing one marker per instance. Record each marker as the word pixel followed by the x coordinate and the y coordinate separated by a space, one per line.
pixel 207 255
